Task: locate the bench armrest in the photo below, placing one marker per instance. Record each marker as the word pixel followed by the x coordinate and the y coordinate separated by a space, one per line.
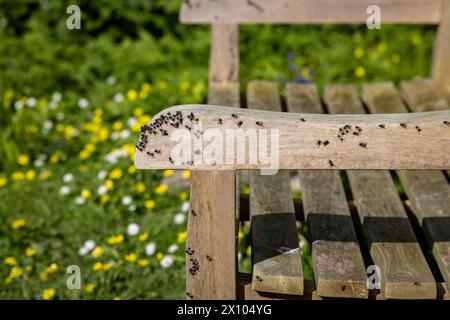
pixel 204 137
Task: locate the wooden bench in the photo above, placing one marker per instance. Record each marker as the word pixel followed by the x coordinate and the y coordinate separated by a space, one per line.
pixel 408 239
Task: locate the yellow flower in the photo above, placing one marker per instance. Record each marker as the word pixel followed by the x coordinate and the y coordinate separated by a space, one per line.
pixel 117 126
pixel 246 190
pixel 183 196
pixel 182 237
pixel 18 223
pixel 116 298
pixel 358 53
pixel 132 95
pixel 90 147
pixel 138 112
pixel 184 86
pixel 18 176
pixel 167 173
pixel 186 174
pixel 131 169
pixel 106 267
pixel 31 128
pixel 103 134
pixel 115 174
pixel 150 204
pixel 248 251
pixel 115 239
pixel 97 252
pixel 43 275
pixel 86 193
pixel 416 39
pixel 143 95
pixel 105 198
pixel 143 236
pixel 97 266
pixel 240 235
pixel 23 160
pixel 83 168
pixel 10 261
pixel 382 47
pixel 131 258
pixel 109 185
pixel 162 188
pixel 68 132
pixel 143 262
pixel 3 181
pixel 29 252
pixel 139 187
pixel 360 72
pixel 28 267
pixel 159 256
pixel 147 87
pixel 54 158
pixel 45 174
pixel 15 272
pixel 48 294
pixel 52 268
pixel 30 175
pixel 162 85
pixel 84 154
pixel 89 288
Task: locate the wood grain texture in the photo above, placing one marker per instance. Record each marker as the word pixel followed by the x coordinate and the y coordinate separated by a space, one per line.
pixel 339 269
pixel 309 12
pixel 393 246
pixel 276 257
pixel 441 60
pixel 224 54
pixel 423 95
pixel 214 208
pixel 391 147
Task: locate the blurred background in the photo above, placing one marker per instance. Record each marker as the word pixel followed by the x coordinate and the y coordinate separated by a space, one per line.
pixel 71 106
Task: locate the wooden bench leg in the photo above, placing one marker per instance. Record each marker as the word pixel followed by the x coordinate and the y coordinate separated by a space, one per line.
pixel 211 268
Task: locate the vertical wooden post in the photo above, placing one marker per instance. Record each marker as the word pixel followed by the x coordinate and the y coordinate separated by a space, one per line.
pixel 211 246
pixel 441 59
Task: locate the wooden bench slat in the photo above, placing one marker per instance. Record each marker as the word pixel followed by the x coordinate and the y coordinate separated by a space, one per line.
pixel 339 269
pixel 309 12
pixel 393 246
pixel 213 213
pixel 276 257
pixel 429 191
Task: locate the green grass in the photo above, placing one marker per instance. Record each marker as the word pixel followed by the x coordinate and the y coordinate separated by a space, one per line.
pixel 136 45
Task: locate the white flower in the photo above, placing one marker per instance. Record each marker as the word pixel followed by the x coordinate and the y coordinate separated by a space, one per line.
pixel 31 102
pixel 239 256
pixel 185 206
pixel 48 125
pixel 126 200
pixel 64 190
pixel 79 200
pixel 83 103
pixel 133 229
pixel 179 218
pixel 166 262
pixel 56 96
pixel 38 163
pixel 53 105
pixel 172 248
pixel 43 156
pixel 68 177
pixel 75 132
pixel 131 121
pixel 125 134
pixel 132 208
pixel 18 105
pixel 60 115
pixel 150 249
pixel 111 80
pixel 118 97
pixel 102 190
pixel 89 244
pixel 102 174
pixel 83 251
pixel 115 135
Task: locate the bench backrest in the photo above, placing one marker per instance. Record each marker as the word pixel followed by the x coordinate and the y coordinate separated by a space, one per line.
pixel 226 15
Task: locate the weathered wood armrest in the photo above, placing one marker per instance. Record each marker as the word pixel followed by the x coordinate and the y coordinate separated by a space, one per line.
pixel 203 137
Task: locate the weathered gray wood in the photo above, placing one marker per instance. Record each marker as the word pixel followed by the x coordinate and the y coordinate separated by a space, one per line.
pixel 276 257
pixel 309 12
pixel 393 246
pixel 297 137
pixel 422 95
pixel 429 191
pixel 213 213
pixel 224 55
pixel 441 61
pixel 339 269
